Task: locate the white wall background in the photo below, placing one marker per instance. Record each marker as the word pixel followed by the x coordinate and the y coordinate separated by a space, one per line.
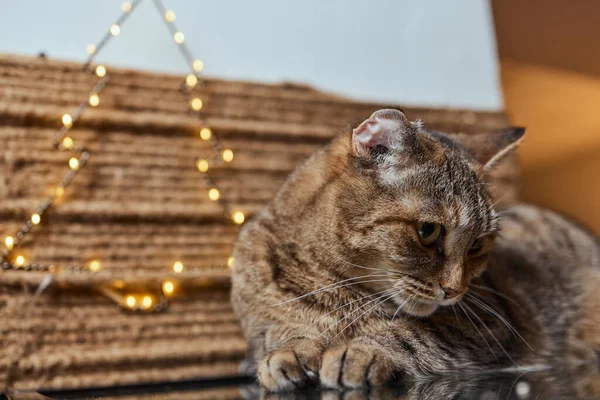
pixel 422 52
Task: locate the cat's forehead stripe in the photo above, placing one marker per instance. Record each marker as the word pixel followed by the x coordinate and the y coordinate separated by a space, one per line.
pixel 392 176
pixel 464 216
pixel 452 194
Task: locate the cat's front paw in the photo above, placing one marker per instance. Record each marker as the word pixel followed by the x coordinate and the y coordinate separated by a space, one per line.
pixel 355 365
pixel 290 368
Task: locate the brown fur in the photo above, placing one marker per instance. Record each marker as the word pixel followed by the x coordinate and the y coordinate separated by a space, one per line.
pixel 346 218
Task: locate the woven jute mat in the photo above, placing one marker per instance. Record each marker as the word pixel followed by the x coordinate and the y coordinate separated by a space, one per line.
pixel 139 204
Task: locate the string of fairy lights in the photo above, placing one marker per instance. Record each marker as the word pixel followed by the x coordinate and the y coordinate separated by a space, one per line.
pixel 9 260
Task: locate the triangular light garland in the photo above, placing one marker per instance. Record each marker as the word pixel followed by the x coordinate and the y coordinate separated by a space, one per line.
pixel 80 156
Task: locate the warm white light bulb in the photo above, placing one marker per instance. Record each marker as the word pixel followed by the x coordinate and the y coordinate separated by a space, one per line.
pixel 147 302
pixel 36 219
pixel 230 261
pixel 67 142
pixel 196 104
pixel 202 165
pixel 20 261
pixel 131 301
pixel 67 120
pixel 115 29
pixel 178 37
pixel 169 16
pixel 94 100
pixel 94 265
pixel 239 217
pixel 9 242
pixel 126 7
pixel 197 65
pixel 205 133
pixel 191 80
pixel 59 191
pixel 91 49
pixel 213 194
pixel 168 287
pixel 227 155
pixel 178 266
pixel 74 164
pixel 100 70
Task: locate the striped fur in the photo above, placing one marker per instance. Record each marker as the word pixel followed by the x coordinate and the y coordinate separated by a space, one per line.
pixel 331 282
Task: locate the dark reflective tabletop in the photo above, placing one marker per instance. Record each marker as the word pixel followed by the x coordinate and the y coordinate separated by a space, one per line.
pixel 580 382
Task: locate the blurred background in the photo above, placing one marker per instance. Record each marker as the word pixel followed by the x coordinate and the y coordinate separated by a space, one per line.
pixel 550 76
pixel 135 256
pixel 536 60
pixel 429 53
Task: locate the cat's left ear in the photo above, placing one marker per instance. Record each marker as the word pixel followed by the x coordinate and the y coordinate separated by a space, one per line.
pixel 387 129
pixel 490 148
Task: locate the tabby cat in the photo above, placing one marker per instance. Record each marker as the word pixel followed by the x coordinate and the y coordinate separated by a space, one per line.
pixel 383 257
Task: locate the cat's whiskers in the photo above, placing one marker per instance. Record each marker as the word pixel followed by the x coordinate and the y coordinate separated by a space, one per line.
pixel 491 334
pixel 424 287
pixel 424 294
pixel 368 268
pixel 402 305
pixel 416 283
pixel 500 199
pixel 350 284
pixel 413 295
pixel 370 309
pixel 478 331
pixel 384 292
pixel 419 291
pixel 335 285
pixel 515 383
pixel 414 304
pixel 488 289
pixel 395 293
pixel 455 313
pixel 506 211
pixel 486 307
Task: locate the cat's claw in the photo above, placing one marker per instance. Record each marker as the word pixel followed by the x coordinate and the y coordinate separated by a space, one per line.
pixel 290 368
pixel 355 365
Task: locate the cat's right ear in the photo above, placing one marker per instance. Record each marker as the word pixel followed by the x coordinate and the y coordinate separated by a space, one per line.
pixel 388 129
pixel 492 147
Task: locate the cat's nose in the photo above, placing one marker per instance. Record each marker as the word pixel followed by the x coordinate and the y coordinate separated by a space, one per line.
pixel 450 293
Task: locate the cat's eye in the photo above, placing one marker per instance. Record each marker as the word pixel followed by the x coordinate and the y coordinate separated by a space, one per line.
pixel 428 232
pixel 477 246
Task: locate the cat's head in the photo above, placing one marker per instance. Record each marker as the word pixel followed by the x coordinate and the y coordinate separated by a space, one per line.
pixel 416 204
